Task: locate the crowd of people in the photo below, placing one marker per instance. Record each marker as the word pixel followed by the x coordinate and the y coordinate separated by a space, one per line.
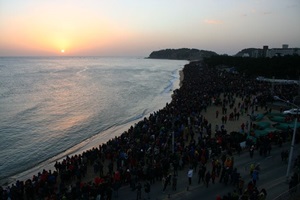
pixel 145 152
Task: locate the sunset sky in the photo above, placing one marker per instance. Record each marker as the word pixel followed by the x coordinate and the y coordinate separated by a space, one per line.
pixel 138 27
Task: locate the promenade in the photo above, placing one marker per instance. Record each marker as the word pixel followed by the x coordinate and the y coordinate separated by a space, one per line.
pixel 272 178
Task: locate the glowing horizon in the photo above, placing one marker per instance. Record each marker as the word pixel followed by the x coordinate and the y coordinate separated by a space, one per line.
pixel 32 28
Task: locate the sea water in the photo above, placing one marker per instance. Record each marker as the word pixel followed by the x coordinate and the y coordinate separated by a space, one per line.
pixel 51 107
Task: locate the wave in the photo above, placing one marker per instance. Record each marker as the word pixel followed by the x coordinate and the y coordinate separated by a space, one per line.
pixel 134 118
pixel 174 78
pixel 82 70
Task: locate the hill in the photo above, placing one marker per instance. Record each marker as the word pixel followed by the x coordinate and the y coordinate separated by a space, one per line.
pixel 181 54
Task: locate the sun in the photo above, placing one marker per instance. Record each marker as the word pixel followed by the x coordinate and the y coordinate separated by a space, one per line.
pixel 62 51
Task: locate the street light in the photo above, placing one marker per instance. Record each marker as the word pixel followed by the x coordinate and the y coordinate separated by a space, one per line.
pixel 293 138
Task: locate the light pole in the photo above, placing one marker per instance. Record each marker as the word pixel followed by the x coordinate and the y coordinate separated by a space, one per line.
pixel 293 138
pixel 173 142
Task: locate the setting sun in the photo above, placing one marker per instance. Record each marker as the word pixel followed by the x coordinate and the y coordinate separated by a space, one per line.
pixel 62 51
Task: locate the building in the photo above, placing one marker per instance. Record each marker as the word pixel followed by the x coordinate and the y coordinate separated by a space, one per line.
pixel 284 51
pixel 265 51
pixel 269 53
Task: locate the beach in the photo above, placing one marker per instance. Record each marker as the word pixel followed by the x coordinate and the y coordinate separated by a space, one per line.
pixel 53 107
pixel 145 152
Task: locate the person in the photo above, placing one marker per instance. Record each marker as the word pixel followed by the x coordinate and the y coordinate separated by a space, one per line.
pixel 174 183
pixel 235 177
pixel 147 188
pixel 201 173
pixel 175 167
pixel 254 176
pixel 226 176
pixel 240 185
pixel 139 191
pixel 167 182
pixel 190 175
pixel 251 150
pixel 252 167
pixel 213 176
pixel 207 178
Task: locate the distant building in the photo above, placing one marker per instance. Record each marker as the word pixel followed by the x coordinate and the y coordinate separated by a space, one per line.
pixel 269 53
pixel 285 46
pixel 285 50
pixel 265 51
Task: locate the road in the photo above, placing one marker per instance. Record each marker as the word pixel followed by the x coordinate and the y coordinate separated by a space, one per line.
pixel 272 177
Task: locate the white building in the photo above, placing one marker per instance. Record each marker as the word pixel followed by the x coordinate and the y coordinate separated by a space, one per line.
pixel 284 51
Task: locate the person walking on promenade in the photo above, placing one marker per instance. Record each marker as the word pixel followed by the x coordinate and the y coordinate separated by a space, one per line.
pixel 223 119
pixel 243 127
pixel 251 151
pixel 174 183
pixel 222 175
pixel 213 176
pixel 207 178
pixel 190 175
pixel 241 185
pixel 251 169
pixel 147 188
pixel 201 173
pixel 255 176
pixel 167 182
pixel 139 191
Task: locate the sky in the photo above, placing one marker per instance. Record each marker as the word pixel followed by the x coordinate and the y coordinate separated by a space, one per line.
pixel 138 27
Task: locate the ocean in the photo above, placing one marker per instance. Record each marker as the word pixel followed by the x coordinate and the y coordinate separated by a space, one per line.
pixel 51 107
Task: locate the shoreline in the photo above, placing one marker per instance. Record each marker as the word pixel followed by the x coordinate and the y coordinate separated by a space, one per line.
pixel 93 142
pixel 181 78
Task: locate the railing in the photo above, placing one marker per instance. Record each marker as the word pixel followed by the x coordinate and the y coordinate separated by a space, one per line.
pixel 290 194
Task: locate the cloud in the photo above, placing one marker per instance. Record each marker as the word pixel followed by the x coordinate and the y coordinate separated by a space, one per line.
pixel 212 21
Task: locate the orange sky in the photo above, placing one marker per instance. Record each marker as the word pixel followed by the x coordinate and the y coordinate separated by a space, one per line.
pixel 33 28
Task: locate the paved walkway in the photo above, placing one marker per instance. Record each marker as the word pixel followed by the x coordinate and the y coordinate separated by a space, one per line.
pixel 272 179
